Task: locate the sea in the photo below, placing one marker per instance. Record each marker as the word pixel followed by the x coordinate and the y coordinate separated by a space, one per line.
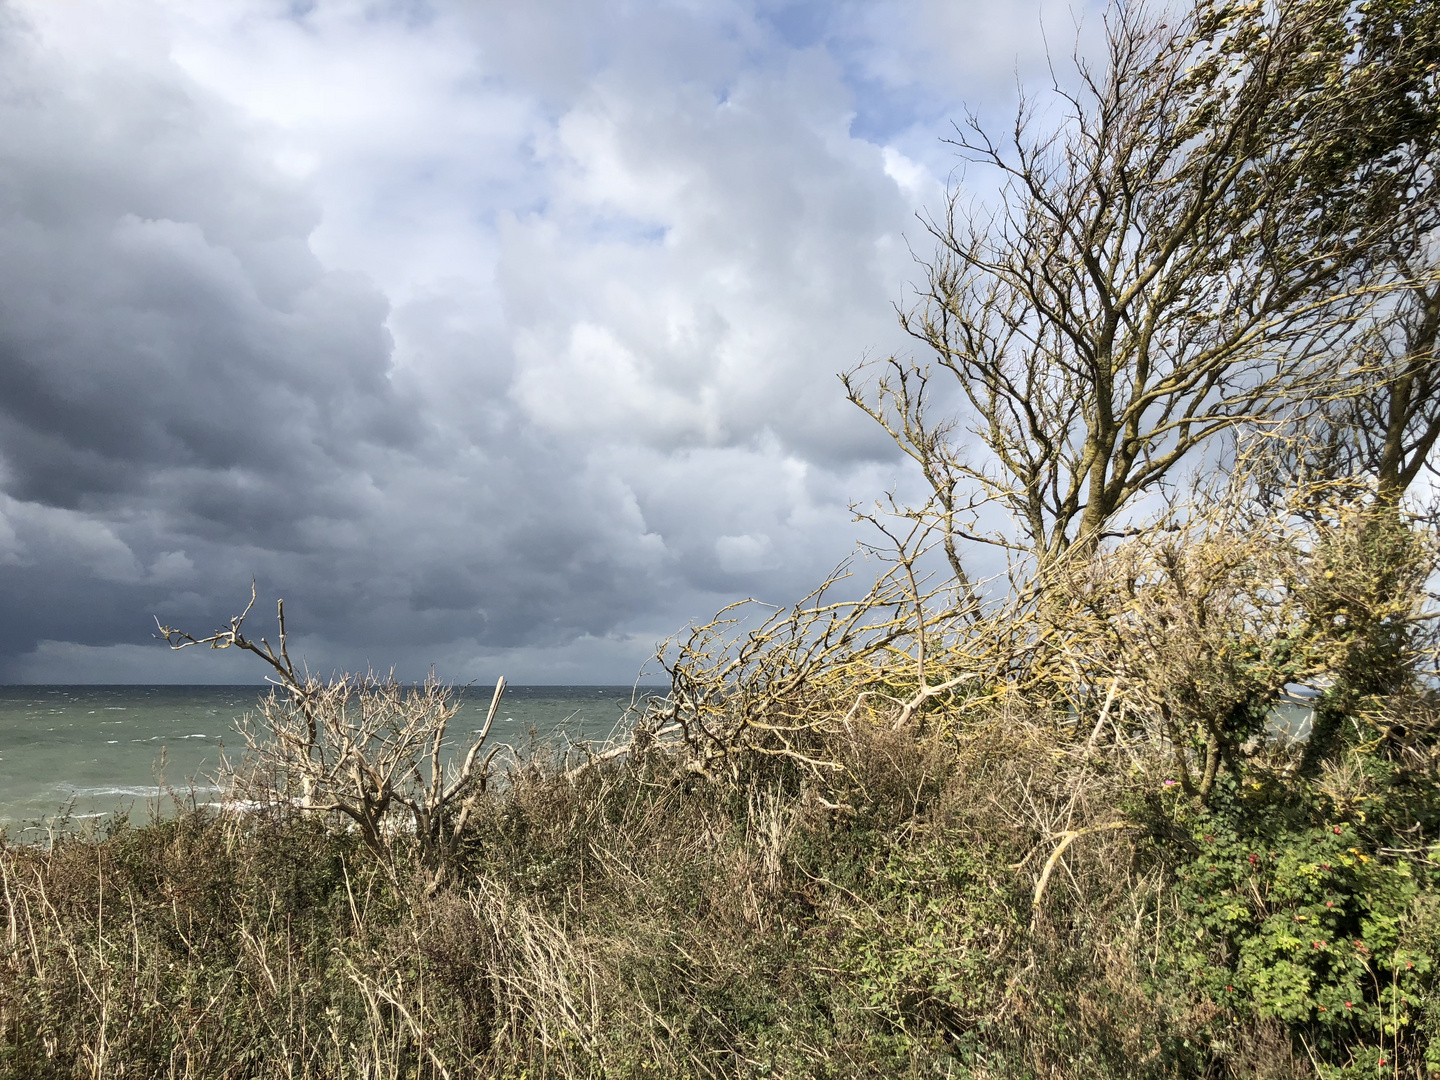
pixel 72 755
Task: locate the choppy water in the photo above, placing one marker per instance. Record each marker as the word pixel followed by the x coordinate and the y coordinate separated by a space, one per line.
pixel 97 749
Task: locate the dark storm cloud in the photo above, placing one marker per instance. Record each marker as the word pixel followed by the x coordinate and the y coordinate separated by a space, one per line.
pixel 186 395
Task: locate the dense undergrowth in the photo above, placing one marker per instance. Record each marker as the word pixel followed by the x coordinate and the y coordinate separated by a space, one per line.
pixel 639 920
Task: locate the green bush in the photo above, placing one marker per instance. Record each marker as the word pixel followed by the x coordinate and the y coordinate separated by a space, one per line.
pixel 1285 911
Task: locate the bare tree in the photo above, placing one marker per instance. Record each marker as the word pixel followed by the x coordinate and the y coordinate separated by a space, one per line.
pixel 359 746
pixel 1165 265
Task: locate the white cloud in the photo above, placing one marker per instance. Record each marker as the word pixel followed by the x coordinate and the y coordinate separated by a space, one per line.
pixel 172 568
pixel 913 178
pixel 744 554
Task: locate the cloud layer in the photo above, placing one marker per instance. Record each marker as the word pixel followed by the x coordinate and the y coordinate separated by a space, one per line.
pixel 498 337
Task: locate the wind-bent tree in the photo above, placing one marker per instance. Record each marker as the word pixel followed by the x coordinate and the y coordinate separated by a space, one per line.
pixel 1383 426
pixel 1379 155
pixel 1205 233
pixel 1399 423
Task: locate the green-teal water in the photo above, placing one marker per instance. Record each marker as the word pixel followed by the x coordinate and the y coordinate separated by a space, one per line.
pixel 96 749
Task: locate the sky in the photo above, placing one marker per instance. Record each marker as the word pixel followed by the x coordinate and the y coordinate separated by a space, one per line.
pixel 495 337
